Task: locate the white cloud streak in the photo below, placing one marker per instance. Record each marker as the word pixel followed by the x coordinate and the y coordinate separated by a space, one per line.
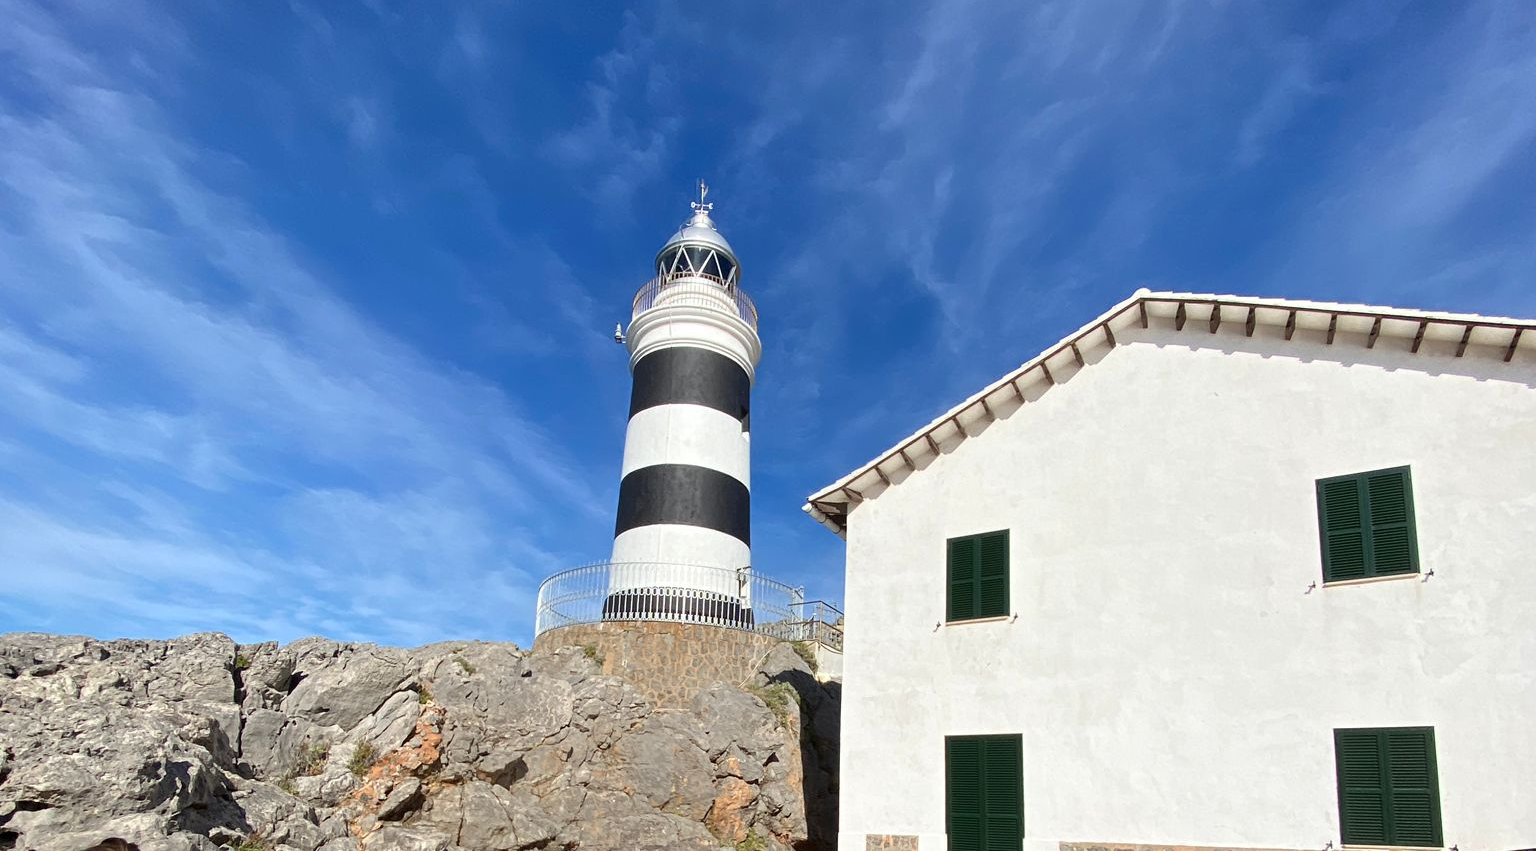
pixel 160 323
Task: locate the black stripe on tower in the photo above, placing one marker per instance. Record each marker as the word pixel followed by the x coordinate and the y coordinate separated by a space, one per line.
pixel 687 375
pixel 687 495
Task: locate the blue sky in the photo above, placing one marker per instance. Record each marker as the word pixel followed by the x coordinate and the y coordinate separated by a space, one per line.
pixel 305 310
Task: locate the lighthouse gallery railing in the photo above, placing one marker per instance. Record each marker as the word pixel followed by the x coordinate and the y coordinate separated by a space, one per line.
pixel 695 289
pixel 603 592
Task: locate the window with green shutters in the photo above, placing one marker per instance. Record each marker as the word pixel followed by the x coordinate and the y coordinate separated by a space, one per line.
pixel 1388 790
pixel 984 793
pixel 977 577
pixel 1366 524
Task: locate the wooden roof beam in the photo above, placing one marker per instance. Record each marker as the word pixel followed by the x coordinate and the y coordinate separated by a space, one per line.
pixel 1179 316
pixel 1466 337
pixel 1077 355
pixel 1370 342
pixel 1418 337
pixel 1143 306
pixel 1014 383
pixel 853 495
pixel 1051 379
pixel 1215 317
pixel 1333 326
pixel 1514 341
pixel 1253 319
pixel 883 477
pixel 1290 324
pixel 1109 335
pixel 932 446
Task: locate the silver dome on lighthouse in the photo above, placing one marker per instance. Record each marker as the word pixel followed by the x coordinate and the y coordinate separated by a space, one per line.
pixel 698 248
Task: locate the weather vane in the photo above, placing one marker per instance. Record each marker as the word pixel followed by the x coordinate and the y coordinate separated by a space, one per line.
pixel 699 206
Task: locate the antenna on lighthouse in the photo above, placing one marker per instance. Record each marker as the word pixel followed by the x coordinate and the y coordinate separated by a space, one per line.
pixel 699 206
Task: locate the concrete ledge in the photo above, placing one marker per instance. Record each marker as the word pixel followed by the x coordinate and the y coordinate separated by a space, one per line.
pixel 666 661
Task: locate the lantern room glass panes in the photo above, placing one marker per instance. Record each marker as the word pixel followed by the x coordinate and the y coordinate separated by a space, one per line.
pixel 698 259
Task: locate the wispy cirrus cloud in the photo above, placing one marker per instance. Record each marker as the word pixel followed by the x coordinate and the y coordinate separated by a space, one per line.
pixel 1414 207
pixel 250 381
pixel 625 137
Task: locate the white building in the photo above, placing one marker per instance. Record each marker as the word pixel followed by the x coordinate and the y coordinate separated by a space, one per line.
pixel 1099 603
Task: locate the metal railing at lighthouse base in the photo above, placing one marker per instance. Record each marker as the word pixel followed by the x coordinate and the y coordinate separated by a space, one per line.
pixel 684 593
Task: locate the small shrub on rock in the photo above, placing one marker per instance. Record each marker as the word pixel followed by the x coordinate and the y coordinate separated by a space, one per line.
pixel 363 758
pixel 254 842
pixel 777 697
pixel 808 653
pixel 313 760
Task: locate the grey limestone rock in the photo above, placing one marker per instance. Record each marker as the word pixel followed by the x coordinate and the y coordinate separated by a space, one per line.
pixel 401 801
pixel 198 744
pixel 341 684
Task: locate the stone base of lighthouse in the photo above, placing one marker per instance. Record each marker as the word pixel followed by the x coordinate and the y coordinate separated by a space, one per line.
pixel 668 662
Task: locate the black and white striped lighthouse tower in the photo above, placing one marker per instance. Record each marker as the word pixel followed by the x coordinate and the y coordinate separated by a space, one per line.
pixel 684 501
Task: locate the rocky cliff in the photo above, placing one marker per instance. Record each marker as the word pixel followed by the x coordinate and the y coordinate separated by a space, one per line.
pixel 201 743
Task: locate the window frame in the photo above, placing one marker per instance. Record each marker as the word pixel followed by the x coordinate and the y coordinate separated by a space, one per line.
pixel 1368 525
pixel 1006 597
pixel 982 742
pixel 1390 812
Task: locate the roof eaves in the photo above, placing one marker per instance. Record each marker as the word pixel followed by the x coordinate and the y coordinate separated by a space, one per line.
pixel 830 505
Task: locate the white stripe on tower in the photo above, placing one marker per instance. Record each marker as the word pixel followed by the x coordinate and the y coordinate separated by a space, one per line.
pixel 687 434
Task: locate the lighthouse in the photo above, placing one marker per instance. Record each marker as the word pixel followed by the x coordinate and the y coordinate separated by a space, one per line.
pixel 679 606
pixel 682 545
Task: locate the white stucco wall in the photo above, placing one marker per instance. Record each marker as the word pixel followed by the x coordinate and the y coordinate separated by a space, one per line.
pixel 1173 682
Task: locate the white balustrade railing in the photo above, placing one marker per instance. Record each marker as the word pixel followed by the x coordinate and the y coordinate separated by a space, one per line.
pixel 686 593
pixel 695 289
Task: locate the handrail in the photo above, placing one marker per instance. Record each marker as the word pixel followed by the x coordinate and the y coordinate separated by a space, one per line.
pixel 695 289
pixel 687 593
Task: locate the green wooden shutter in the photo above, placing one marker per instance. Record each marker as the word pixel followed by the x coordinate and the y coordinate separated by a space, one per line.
pixel 1367 525
pixel 1363 795
pixel 977 584
pixel 1393 544
pixel 992 575
pixel 1003 793
pixel 1389 792
pixel 1414 786
pixel 984 793
pixel 1342 518
pixel 962 579
pixel 962 793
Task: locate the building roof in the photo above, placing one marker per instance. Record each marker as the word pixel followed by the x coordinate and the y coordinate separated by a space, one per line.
pixel 1358 323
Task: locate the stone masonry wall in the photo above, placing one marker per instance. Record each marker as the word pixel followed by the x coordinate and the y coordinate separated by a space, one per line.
pixel 669 663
